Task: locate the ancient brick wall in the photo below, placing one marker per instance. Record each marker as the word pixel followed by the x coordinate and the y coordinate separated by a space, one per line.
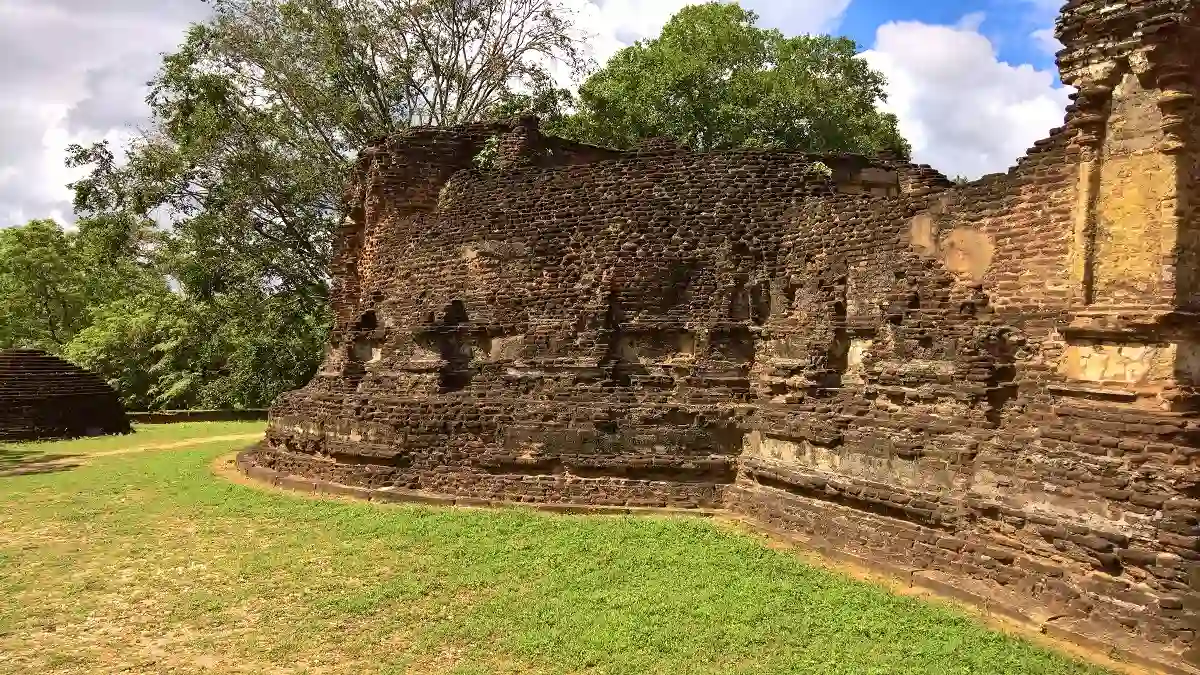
pixel 1044 453
pixel 990 387
pixel 544 331
pixel 44 397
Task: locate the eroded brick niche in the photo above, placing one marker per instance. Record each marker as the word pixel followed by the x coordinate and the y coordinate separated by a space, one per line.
pixel 991 387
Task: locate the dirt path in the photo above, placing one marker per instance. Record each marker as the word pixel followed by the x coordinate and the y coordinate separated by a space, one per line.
pixel 57 462
pixel 177 444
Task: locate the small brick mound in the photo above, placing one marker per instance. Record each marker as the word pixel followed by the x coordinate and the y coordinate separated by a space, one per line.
pixel 44 397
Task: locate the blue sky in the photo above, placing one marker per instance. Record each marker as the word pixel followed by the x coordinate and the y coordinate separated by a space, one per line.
pixel 1008 24
pixel 971 81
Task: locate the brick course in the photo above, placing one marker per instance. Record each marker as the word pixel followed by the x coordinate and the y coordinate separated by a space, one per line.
pixel 44 397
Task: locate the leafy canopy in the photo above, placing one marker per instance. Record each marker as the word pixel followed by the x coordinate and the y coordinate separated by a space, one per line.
pixel 714 80
pixel 256 119
pixel 51 281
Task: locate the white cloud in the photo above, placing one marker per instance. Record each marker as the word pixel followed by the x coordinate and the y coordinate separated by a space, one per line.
pixel 72 71
pixel 965 111
pixel 800 17
pixel 1045 39
pixel 1043 13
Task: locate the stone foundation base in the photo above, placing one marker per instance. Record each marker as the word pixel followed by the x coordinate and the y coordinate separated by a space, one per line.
pixel 549 492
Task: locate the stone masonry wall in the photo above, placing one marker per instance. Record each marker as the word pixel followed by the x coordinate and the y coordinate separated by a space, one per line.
pixel 555 333
pixel 992 387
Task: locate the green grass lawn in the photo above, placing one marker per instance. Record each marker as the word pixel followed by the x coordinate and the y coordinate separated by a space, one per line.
pixel 51 455
pixel 146 562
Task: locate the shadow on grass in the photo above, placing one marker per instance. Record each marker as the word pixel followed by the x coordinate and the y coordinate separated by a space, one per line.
pixel 24 460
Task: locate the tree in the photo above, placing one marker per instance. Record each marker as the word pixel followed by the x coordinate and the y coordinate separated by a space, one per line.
pixel 95 296
pixel 259 113
pixel 43 291
pixel 256 119
pixel 128 345
pixel 714 80
pixel 51 280
pixel 166 350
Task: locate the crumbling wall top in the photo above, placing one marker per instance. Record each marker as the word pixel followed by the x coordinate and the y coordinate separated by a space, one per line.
pixel 1098 33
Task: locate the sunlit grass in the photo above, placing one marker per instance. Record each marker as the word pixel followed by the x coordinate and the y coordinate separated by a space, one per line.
pixel 147 562
pixel 143 435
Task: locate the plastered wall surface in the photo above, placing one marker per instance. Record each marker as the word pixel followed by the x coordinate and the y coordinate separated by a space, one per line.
pixel 989 386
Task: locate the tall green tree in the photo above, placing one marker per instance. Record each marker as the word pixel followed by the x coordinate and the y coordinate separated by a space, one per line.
pixel 44 293
pixel 168 350
pixel 256 119
pixel 52 280
pixel 715 80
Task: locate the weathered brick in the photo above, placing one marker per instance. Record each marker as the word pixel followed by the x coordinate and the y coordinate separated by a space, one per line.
pixel 44 397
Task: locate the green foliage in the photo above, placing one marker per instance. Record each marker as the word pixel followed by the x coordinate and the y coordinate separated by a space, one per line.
pixel 122 345
pixel 820 169
pixel 169 351
pixel 256 120
pixel 43 291
pixel 88 296
pixel 485 159
pixel 714 80
pixel 51 281
pixel 542 99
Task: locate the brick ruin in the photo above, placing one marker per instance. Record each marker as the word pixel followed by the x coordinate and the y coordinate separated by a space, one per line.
pixel 43 397
pixel 991 388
